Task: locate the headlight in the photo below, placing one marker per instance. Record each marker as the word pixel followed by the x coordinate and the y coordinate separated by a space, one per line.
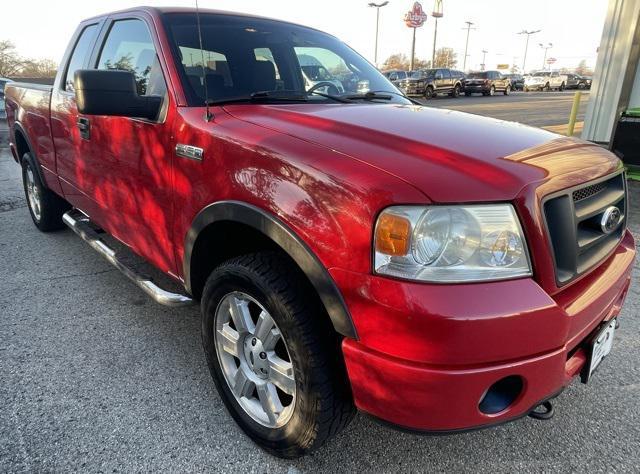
pixel 450 244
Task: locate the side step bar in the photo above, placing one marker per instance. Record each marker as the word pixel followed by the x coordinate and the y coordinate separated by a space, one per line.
pixel 79 223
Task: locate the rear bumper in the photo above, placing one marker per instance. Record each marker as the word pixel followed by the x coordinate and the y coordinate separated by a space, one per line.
pixel 427 355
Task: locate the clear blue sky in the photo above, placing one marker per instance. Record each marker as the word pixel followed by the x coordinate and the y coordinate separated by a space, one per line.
pixel 41 28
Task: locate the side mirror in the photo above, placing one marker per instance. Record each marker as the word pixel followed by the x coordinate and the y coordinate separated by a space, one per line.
pixel 110 92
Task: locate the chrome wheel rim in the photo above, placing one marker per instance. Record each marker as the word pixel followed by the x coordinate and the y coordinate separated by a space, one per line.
pixel 33 194
pixel 255 360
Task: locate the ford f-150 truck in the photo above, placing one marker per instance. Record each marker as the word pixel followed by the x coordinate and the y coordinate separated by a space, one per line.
pixel 348 248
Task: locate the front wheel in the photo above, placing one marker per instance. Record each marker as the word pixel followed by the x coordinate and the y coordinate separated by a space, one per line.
pixel 546 87
pixel 562 86
pixel 273 355
pixel 507 90
pixel 456 91
pixel 46 207
pixel 429 93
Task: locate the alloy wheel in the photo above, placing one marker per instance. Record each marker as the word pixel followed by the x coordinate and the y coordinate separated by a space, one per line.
pixel 255 360
pixel 33 193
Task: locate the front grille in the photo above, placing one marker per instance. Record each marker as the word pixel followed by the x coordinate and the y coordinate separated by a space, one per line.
pixel 584 193
pixel 574 223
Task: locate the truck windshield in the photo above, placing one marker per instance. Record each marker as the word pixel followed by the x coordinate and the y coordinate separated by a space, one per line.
pixel 242 56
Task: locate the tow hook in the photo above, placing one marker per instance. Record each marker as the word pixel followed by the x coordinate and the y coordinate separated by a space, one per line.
pixel 544 411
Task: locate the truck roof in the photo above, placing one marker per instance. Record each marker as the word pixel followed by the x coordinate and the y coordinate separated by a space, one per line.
pixel 157 11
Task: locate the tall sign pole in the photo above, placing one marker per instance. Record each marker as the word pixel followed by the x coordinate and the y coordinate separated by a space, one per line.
pixel 415 18
pixel 437 13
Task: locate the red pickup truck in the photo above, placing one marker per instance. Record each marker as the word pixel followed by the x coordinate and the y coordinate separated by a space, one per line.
pixel 346 247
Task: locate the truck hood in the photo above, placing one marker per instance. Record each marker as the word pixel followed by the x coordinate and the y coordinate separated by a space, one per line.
pixel 450 156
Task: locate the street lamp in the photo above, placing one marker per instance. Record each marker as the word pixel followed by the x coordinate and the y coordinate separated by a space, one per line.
pixel 437 13
pixel 377 6
pixel 546 48
pixel 466 46
pixel 484 55
pixel 526 46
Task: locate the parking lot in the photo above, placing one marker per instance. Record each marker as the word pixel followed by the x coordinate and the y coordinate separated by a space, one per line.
pixel 539 109
pixel 96 377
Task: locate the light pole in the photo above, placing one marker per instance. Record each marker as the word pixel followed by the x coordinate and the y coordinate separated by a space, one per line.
pixel 546 48
pixel 377 6
pixel 484 55
pixel 437 13
pixel 466 46
pixel 526 46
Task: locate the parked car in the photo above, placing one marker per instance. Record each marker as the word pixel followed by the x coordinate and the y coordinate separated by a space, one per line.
pixel 441 271
pixel 517 81
pixel 487 83
pixel 584 82
pixel 3 82
pixel 317 76
pixel 545 81
pixel 396 75
pixel 431 82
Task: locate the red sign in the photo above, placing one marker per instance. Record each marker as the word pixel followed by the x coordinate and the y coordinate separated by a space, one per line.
pixel 551 60
pixel 415 17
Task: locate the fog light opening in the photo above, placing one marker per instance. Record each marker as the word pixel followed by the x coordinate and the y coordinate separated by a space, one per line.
pixel 501 395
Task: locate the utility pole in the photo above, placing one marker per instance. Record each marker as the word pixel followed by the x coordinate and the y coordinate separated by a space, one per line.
pixel 484 55
pixel 466 47
pixel 437 13
pixel 526 46
pixel 377 6
pixel 546 48
pixel 413 50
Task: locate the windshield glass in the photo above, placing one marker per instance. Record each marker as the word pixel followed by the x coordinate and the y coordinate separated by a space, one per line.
pixel 422 74
pixel 244 56
pixel 477 75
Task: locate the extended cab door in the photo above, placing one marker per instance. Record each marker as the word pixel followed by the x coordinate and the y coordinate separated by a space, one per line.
pixel 127 170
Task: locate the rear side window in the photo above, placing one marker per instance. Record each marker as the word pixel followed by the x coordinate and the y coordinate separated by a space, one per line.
pixel 129 47
pixel 85 40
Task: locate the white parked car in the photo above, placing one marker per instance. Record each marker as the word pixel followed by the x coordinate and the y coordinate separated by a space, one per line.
pixel 545 81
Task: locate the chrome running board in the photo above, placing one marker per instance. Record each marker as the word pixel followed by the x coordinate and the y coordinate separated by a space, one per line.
pixel 79 223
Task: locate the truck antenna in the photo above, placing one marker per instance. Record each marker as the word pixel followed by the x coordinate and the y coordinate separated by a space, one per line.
pixel 208 115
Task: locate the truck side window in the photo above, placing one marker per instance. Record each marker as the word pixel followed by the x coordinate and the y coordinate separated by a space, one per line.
pixel 79 54
pixel 129 47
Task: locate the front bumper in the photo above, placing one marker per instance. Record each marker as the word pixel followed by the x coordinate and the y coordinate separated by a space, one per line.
pixel 427 354
pixel 476 88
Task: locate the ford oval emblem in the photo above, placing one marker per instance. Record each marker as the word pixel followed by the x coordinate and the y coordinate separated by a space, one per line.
pixel 610 219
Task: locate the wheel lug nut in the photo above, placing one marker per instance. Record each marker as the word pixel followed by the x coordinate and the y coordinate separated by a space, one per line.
pixel 263 355
pixel 254 341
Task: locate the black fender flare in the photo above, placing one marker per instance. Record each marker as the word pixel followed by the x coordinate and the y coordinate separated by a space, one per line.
pixel 287 240
pixel 35 164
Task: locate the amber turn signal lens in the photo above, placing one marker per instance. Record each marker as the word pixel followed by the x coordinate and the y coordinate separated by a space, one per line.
pixel 392 235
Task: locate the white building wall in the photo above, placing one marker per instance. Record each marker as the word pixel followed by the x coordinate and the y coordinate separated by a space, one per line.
pixel 616 79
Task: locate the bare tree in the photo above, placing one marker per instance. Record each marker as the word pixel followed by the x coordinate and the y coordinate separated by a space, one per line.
pixel 401 61
pixel 445 57
pixel 38 68
pixel 10 62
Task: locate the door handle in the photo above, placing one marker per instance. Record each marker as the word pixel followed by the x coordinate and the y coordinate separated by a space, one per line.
pixel 84 127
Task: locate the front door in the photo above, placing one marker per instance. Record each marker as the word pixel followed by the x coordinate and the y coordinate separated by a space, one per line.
pixel 129 166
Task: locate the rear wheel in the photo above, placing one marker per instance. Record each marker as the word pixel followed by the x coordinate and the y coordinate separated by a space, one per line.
pixel 492 91
pixel 273 355
pixel 46 207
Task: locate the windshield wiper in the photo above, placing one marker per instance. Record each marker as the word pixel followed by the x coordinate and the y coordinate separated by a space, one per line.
pixel 371 95
pixel 342 100
pixel 262 96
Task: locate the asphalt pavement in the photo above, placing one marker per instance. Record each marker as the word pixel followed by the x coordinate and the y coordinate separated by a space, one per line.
pixel 95 377
pixel 539 109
